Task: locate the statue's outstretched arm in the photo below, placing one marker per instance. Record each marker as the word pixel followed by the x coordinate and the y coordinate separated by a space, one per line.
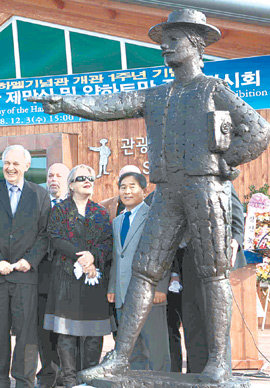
pixel 99 108
pixel 94 149
pixel 250 132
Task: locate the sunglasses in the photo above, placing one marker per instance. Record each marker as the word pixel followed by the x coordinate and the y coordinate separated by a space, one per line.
pixel 83 178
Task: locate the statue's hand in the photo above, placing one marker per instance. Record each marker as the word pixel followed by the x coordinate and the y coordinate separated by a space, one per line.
pixel 227 172
pixel 51 104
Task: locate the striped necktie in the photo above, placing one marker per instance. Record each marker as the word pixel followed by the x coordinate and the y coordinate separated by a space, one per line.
pixel 14 198
pixel 55 201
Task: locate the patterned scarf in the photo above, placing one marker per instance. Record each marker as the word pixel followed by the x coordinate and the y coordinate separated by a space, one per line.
pixel 96 238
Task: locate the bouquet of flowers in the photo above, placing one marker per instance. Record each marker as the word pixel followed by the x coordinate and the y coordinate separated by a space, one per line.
pixel 262 234
pixel 263 271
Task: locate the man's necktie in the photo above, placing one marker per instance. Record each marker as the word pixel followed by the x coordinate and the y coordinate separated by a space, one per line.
pixel 55 201
pixel 125 227
pixel 13 197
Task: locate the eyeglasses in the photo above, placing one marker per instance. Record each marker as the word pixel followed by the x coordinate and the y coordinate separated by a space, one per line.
pixel 83 178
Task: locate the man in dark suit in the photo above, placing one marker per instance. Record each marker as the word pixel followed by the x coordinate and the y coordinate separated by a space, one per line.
pixel 24 214
pixel 57 188
pixel 151 350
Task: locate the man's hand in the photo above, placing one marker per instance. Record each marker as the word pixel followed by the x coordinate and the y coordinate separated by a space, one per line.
pixel 174 278
pixel 111 298
pixel 51 104
pixel 234 247
pixel 5 267
pixel 159 297
pixel 22 265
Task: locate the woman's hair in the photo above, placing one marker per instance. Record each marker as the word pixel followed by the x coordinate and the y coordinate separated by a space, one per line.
pixel 73 172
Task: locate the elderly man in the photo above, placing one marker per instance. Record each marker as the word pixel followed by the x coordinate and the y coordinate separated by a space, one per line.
pixel 57 182
pixel 24 214
pixel 198 132
pixel 57 188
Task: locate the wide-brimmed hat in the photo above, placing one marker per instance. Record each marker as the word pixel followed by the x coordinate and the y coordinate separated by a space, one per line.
pixel 187 17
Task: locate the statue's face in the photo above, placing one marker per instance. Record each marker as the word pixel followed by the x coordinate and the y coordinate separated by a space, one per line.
pixel 177 48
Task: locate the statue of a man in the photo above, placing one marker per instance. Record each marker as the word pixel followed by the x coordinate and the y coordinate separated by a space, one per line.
pixel 104 153
pixel 198 132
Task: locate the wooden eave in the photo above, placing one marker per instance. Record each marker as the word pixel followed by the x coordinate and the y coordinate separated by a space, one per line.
pixel 133 22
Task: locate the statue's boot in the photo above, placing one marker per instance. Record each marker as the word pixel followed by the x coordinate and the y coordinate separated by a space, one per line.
pixel 137 305
pixel 218 301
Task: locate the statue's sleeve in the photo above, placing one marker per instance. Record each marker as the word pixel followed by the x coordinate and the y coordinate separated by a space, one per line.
pixel 250 133
pixel 106 107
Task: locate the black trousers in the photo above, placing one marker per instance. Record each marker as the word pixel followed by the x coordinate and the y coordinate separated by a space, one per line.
pixel 18 308
pixel 47 346
pixel 174 312
pixel 193 316
pixel 69 349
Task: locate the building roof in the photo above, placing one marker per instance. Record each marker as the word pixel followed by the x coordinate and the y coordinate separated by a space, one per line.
pixel 254 11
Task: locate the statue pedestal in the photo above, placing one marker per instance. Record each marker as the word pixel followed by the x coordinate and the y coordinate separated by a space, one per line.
pixel 150 379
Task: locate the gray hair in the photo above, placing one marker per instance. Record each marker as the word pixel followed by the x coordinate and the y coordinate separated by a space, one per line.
pixel 73 171
pixel 17 147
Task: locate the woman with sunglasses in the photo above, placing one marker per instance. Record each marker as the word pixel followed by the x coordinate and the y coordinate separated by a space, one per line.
pixel 77 307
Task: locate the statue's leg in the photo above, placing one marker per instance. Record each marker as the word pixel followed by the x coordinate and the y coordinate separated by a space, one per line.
pixel 209 215
pixel 100 170
pixel 153 257
pixel 218 312
pixel 105 172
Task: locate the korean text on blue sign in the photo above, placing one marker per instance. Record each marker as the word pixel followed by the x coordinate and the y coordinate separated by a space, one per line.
pixel 249 78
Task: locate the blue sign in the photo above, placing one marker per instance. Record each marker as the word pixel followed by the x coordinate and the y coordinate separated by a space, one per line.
pixel 249 78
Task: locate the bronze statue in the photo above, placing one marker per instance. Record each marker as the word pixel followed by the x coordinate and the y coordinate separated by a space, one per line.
pixel 198 132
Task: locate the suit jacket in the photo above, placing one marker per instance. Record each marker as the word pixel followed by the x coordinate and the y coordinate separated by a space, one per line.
pixel 44 271
pixel 24 235
pixel 121 269
pixel 238 229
